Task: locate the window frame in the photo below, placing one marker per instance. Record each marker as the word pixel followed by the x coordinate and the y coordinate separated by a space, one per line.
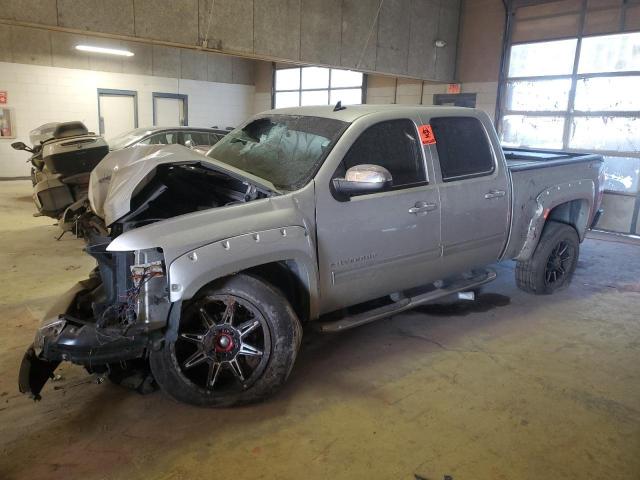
pixel 329 89
pixel 394 188
pixel 575 77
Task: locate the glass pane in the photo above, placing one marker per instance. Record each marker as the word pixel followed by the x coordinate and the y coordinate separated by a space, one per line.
pixel 463 148
pixel 283 149
pixel 608 93
pixel 542 58
pixel 345 78
pixel 351 96
pixel 394 145
pixel 287 99
pixel 610 53
pixel 621 134
pixel 288 79
pixel 540 132
pixel 621 174
pixel 538 95
pixel 315 77
pixel 315 97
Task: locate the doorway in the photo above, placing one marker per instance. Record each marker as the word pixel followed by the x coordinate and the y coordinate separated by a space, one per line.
pixel 117 111
pixel 170 109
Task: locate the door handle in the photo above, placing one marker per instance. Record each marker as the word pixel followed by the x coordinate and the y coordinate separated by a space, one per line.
pixel 495 194
pixel 422 207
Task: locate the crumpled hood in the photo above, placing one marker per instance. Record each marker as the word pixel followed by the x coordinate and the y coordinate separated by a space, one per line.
pixel 109 179
pixel 123 173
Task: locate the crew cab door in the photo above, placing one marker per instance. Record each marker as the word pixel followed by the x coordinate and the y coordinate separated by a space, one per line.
pixel 375 244
pixel 475 193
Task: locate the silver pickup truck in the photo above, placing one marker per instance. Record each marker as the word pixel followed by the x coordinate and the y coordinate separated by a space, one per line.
pixel 331 216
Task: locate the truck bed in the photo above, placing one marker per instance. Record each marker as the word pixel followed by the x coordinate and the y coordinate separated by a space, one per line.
pixel 525 159
pixel 553 175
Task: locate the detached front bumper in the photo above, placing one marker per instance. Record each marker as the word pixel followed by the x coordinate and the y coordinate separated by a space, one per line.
pixel 109 318
pixel 61 337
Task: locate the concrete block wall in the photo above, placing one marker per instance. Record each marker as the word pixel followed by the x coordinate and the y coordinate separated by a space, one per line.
pixel 387 90
pixel 486 95
pixel 40 94
pixel 330 32
pixel 36 46
pixel 263 86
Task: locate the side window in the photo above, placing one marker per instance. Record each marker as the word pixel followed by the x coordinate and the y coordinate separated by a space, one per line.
pixel 214 138
pixel 158 139
pixel 198 138
pixel 463 147
pixel 394 145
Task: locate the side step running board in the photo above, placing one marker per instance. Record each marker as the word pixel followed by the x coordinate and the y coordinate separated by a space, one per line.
pixel 406 304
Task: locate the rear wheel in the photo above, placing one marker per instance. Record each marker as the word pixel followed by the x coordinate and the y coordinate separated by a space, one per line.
pixel 553 263
pixel 237 342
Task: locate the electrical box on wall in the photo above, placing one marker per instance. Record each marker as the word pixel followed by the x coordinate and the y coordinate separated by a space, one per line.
pixel 7 129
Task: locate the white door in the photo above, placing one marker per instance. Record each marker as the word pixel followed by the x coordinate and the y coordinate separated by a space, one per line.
pixel 169 111
pixel 117 114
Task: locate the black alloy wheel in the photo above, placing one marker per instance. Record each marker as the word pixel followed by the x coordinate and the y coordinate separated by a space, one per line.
pixel 223 343
pixel 559 263
pixel 236 343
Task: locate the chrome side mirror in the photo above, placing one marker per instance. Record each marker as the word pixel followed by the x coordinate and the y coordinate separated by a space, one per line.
pixel 363 179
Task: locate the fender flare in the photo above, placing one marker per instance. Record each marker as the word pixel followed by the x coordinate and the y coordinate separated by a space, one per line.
pixel 550 198
pixel 200 266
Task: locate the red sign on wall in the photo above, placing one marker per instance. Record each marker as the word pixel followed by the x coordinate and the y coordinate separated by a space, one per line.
pixel 453 88
pixel 3 97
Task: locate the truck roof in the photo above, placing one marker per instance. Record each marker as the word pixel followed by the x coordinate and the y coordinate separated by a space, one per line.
pixel 350 113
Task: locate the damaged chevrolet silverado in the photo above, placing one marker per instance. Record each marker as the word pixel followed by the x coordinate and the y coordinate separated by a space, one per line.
pixel 331 216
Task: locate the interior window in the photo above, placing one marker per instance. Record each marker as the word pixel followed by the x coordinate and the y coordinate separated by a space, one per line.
pixel 214 138
pixel 198 138
pixel 158 139
pixel 394 145
pixel 463 148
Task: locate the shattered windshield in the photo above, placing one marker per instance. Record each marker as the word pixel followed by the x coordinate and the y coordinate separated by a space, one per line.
pixel 286 150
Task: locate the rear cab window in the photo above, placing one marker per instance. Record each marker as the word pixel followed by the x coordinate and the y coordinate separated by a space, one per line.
pixel 463 148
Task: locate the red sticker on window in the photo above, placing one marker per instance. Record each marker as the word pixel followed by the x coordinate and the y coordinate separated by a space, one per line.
pixel 426 135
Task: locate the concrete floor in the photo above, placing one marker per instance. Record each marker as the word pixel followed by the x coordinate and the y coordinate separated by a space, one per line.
pixel 510 387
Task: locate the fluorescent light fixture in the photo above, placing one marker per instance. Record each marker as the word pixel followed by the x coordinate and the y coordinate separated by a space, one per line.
pixel 108 51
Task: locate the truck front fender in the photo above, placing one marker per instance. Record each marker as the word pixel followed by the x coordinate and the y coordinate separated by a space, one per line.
pixel 580 191
pixel 200 266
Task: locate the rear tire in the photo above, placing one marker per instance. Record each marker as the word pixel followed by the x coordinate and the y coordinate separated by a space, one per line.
pixel 237 343
pixel 553 263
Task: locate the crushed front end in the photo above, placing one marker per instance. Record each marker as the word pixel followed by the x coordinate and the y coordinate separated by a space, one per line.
pixel 111 318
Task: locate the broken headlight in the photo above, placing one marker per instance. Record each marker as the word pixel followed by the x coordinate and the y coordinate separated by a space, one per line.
pixel 50 329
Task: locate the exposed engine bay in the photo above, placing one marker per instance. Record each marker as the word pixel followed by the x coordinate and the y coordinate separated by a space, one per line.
pixel 111 319
pixel 180 189
pixel 142 185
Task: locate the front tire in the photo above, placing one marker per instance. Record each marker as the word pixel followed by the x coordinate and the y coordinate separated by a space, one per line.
pixel 237 343
pixel 553 263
